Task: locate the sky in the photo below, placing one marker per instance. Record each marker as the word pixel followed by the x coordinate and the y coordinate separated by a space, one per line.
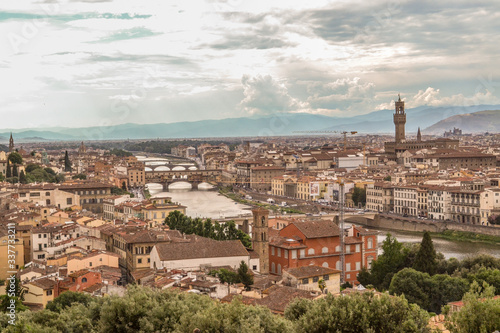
pixel 78 63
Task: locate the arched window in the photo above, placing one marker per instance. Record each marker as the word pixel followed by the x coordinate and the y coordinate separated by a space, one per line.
pixel 273 268
pixel 310 252
pixel 325 264
pixel 324 250
pixel 84 280
pixel 370 243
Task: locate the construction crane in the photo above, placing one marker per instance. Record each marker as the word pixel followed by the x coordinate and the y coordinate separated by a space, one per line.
pixel 341 227
pixel 344 133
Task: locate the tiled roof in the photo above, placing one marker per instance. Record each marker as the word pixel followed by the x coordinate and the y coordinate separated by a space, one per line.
pixel 317 229
pixel 310 271
pixel 280 296
pixel 200 247
pixel 44 283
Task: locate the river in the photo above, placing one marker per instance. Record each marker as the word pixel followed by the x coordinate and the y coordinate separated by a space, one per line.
pixel 203 203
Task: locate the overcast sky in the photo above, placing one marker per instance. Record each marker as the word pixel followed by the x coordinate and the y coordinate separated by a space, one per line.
pixel 85 63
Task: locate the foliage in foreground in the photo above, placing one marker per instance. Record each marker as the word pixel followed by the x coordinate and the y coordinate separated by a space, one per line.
pixel 146 310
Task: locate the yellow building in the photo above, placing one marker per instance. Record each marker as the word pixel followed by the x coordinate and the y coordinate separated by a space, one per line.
pixel 11 251
pixel 93 259
pixel 39 292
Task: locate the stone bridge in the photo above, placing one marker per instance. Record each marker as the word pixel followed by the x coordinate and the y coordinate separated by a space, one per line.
pixel 194 177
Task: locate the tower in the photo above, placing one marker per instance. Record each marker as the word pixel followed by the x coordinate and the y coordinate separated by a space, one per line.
pixel 419 136
pixel 11 143
pixel 400 120
pixel 260 240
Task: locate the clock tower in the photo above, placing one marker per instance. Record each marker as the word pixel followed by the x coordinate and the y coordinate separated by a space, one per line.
pixel 400 120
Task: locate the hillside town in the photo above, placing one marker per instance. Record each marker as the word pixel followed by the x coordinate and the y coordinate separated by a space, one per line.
pixel 85 221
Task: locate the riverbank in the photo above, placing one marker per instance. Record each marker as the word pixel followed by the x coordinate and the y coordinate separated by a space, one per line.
pixel 237 198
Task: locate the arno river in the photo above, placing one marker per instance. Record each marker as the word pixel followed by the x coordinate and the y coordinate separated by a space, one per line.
pixel 210 204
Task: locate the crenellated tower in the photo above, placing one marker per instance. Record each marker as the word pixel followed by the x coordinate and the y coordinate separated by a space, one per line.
pixel 400 120
pixel 260 240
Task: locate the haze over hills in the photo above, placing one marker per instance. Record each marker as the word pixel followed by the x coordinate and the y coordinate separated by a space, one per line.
pixel 477 122
pixel 270 125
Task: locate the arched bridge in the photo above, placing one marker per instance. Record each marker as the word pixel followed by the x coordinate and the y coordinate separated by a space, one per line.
pixel 194 177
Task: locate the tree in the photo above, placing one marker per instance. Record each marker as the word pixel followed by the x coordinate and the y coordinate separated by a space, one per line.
pixel 358 313
pixel 67 162
pixel 124 186
pixel 8 172
pixel 322 285
pixel 388 178
pixel 2 177
pixel 359 196
pixel 390 262
pixel 18 291
pixel 480 313
pixel 22 177
pixel 80 176
pixel 14 171
pixel 425 261
pixel 244 275
pixel 15 158
pixel 67 299
pixel 494 219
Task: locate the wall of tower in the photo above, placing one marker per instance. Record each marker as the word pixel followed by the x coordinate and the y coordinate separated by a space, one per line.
pixel 260 237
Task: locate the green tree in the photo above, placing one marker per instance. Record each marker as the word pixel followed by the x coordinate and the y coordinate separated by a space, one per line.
pixel 244 276
pixel 67 162
pixel 388 178
pixel 17 290
pixel 80 176
pixel 8 172
pixel 480 313
pixel 390 262
pixel 425 261
pixel 31 167
pixel 14 171
pixel 67 299
pixel 2 177
pixel 124 186
pixel 359 196
pixel 22 177
pixel 322 285
pixel 358 313
pixel 15 158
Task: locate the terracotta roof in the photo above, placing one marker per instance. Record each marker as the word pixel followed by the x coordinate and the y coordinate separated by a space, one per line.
pixel 200 247
pixel 280 296
pixel 317 229
pixel 44 283
pixel 310 271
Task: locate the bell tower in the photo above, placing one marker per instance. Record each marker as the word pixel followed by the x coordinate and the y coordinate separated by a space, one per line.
pixel 11 143
pixel 400 120
pixel 260 240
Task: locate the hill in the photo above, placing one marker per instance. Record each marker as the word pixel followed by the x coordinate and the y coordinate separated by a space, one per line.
pixel 477 122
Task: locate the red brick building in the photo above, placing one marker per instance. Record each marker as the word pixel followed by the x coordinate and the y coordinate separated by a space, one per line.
pixel 78 281
pixel 318 243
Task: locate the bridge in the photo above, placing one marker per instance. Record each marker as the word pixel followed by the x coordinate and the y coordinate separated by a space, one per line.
pixel 194 177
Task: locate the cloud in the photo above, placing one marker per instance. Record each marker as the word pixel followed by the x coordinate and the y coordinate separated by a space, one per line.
pixel 265 95
pixel 432 97
pixel 133 33
pixel 343 93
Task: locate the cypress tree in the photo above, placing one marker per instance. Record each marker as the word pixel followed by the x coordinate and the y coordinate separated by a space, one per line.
pixel 67 163
pixel 8 173
pixel 22 177
pixel 425 260
pixel 14 171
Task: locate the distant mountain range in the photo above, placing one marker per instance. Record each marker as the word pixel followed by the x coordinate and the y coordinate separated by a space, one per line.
pixel 477 122
pixel 275 125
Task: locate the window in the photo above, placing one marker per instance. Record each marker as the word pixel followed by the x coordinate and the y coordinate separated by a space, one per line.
pixel 139 261
pixel 49 292
pixel 286 253
pixel 315 279
pixel 348 249
pixel 254 267
pixel 149 260
pixel 310 252
pixel 294 254
pixel 325 264
pixel 272 250
pixel 370 243
pixel 279 252
pixel 358 266
pixel 305 281
pixel 302 253
pixel 273 268
pixel 337 248
pixel 69 201
pixel 84 280
pixel 279 269
pixel 348 266
pixel 358 248
pixel 338 265
pixel 326 277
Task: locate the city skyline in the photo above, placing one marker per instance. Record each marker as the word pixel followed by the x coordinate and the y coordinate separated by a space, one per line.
pixel 95 63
